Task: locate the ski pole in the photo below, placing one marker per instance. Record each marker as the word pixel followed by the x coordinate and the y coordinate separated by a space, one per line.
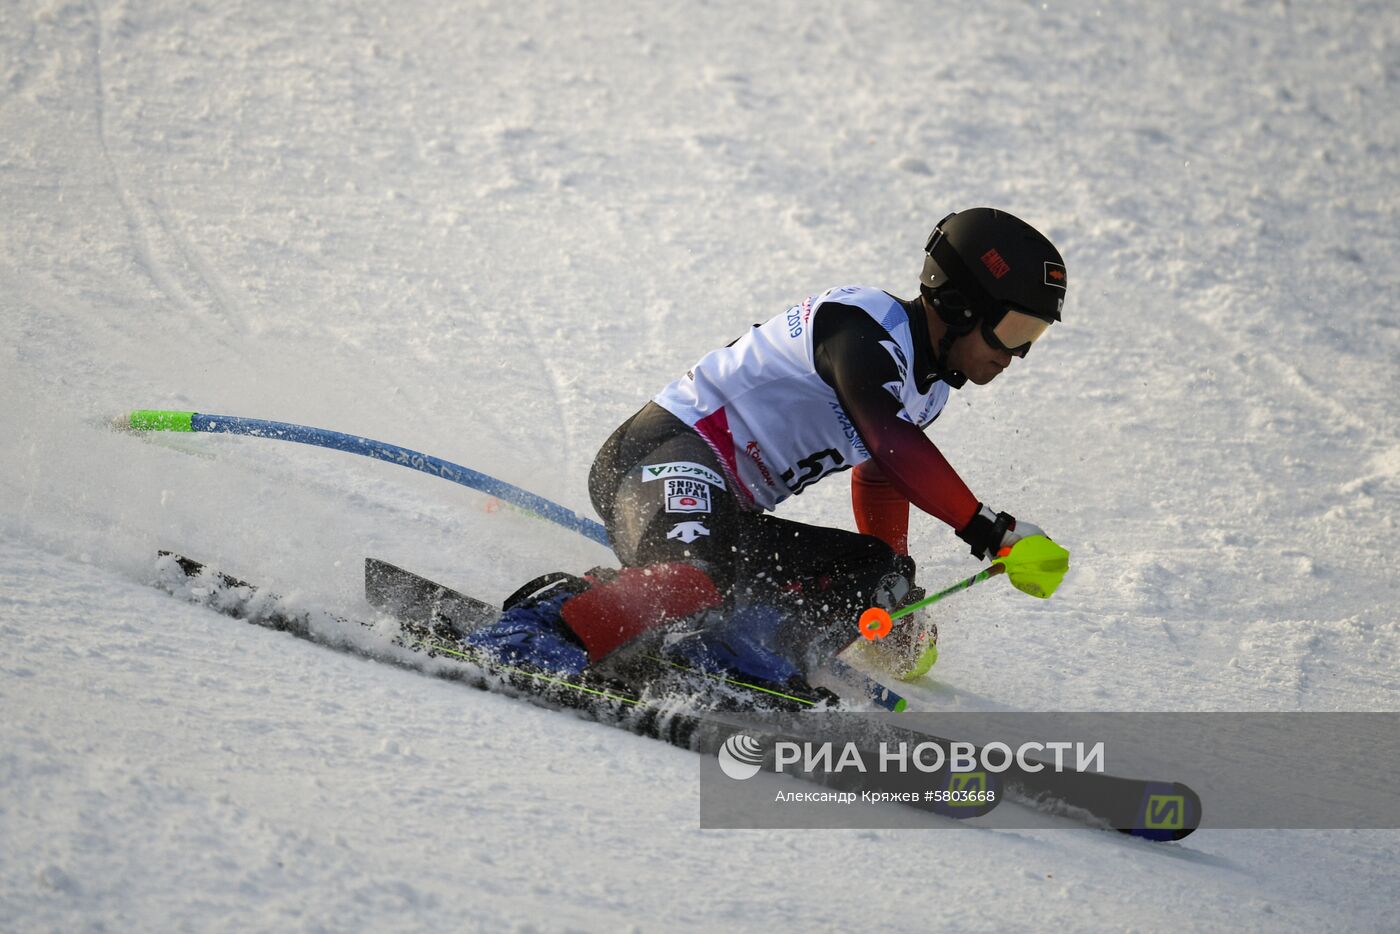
pixel 873 690
pixel 1035 565
pixel 876 622
pixel 161 420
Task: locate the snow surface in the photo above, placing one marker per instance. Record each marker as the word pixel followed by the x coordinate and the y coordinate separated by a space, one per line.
pixel 490 230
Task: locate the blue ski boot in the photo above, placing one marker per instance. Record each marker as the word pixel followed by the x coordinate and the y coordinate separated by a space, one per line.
pixel 746 645
pixel 532 632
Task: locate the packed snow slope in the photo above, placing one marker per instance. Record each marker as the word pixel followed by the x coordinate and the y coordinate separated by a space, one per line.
pixel 490 230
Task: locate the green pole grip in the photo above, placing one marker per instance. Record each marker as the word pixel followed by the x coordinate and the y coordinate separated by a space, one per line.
pixel 159 420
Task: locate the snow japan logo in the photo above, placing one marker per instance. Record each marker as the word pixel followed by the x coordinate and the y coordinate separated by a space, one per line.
pixel 687 495
pixel 741 757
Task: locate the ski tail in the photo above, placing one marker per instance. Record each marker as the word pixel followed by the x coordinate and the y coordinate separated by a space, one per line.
pixel 424 603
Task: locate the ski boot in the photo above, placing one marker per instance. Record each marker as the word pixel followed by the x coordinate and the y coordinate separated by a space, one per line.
pixel 748 647
pixel 531 630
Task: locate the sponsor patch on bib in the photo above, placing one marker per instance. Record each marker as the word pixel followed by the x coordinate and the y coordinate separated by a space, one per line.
pixel 686 469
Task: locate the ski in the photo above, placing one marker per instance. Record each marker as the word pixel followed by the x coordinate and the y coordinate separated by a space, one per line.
pixel 419 602
pixel 651 701
pixel 1153 810
pixel 655 708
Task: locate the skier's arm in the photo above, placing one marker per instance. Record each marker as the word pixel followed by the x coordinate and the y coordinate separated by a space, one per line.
pixel 850 359
pixel 881 510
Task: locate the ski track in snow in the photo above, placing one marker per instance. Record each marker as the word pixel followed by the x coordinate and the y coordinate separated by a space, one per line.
pixel 490 234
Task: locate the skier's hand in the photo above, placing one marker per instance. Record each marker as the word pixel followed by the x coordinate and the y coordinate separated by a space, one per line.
pixel 1020 529
pixel 989 532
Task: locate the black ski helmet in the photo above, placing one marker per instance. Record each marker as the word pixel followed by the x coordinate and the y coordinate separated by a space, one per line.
pixel 981 262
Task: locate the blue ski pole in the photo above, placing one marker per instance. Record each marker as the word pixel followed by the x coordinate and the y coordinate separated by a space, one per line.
pixel 161 420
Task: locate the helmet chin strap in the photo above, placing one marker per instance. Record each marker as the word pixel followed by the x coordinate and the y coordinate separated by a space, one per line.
pixel 955 379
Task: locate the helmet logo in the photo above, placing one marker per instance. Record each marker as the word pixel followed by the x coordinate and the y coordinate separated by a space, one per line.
pixel 1055 275
pixel 995 264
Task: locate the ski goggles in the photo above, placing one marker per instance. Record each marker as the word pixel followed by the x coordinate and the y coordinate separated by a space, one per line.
pixel 1013 331
pixel 1003 327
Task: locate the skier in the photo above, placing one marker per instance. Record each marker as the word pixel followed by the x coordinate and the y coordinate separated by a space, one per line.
pixel 846 379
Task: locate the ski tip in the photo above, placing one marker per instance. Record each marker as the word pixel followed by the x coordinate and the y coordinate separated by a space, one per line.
pixel 1167 812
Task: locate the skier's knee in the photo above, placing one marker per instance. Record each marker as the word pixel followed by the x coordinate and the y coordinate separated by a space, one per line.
pixel 896 585
pixel 609 615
